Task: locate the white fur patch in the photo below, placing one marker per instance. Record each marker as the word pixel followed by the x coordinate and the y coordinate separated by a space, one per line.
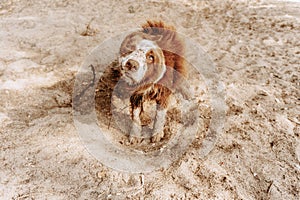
pixel 139 55
pixel 146 45
pixel 136 76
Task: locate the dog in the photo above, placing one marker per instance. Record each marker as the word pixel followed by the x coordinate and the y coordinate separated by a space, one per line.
pixel 152 62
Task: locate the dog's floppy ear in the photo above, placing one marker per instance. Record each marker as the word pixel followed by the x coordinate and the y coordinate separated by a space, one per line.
pixel 170 42
pixel 165 36
pixel 158 31
pixel 156 27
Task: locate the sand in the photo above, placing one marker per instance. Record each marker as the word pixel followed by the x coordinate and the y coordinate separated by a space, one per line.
pixel 255 48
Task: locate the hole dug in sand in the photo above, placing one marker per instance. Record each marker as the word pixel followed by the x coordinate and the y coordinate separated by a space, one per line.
pixel 102 112
pixel 113 113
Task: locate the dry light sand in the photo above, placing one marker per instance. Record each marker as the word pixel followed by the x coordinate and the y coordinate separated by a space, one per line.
pixel 255 46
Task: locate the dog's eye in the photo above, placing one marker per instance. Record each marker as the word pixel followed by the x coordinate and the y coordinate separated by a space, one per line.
pixel 150 58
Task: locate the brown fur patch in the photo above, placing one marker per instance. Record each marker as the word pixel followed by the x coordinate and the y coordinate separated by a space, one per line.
pixel 150 92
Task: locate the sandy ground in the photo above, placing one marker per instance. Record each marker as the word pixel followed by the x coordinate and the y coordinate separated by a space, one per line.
pixel 255 47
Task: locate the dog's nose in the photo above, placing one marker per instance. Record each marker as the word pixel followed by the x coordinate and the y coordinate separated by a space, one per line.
pixel 131 65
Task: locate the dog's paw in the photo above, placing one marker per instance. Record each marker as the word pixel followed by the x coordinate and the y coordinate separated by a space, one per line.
pixel 135 135
pixel 135 140
pixel 157 137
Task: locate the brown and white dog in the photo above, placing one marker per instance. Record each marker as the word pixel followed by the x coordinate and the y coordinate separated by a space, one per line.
pixel 152 62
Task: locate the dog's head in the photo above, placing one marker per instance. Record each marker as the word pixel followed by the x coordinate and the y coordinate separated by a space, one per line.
pixel 141 59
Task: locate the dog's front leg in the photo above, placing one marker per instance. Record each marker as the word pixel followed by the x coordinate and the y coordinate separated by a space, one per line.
pixel 160 120
pixel 136 128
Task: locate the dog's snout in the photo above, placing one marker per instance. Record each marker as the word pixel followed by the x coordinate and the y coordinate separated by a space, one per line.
pixel 131 65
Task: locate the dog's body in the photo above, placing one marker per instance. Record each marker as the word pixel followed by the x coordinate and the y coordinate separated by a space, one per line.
pixel 152 62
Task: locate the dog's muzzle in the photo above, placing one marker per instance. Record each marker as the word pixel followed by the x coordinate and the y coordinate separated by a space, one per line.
pixel 131 65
